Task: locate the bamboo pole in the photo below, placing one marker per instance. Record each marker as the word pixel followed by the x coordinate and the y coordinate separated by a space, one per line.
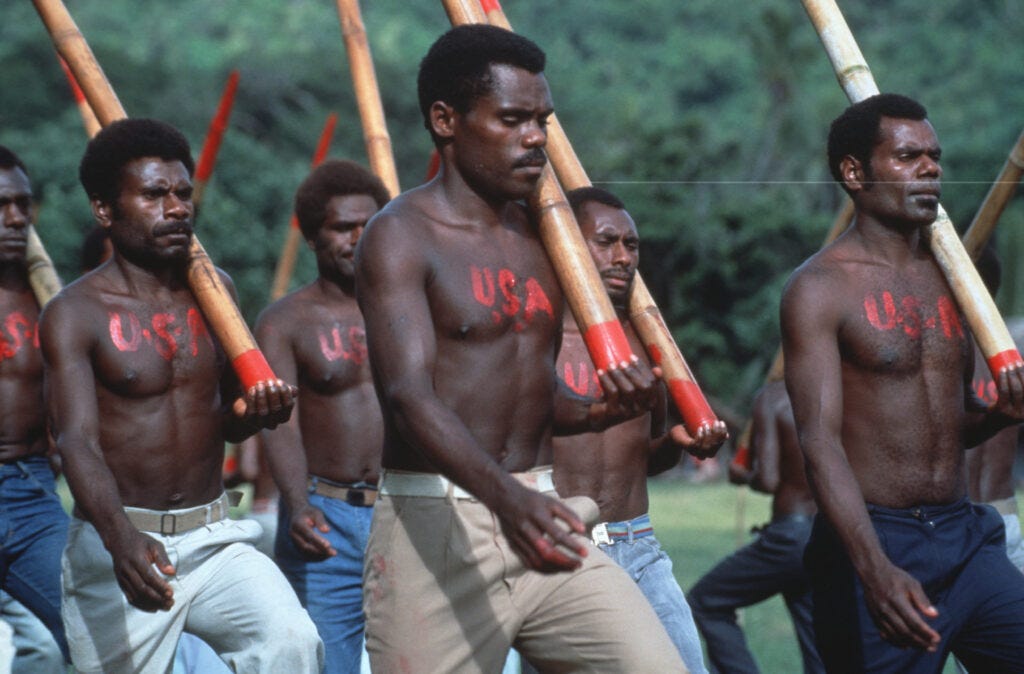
pixel 290 249
pixel 776 372
pixel 214 136
pixel 371 110
pixel 643 311
pixel 42 275
pixel 998 196
pixel 212 296
pixel 92 125
pixel 973 298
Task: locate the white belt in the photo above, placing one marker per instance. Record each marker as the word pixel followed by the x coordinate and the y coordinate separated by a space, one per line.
pixel 432 485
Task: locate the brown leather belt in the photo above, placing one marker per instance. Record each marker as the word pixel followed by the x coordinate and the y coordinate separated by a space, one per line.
pixel 172 522
pixel 356 496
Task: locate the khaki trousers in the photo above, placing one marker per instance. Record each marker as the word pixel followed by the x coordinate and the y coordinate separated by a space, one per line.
pixel 444 593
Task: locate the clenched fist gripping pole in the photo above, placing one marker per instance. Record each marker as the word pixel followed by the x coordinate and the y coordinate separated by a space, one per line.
pixel 973 298
pixel 204 281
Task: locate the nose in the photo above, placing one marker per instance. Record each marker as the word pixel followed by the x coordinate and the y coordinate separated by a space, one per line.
pixel 621 255
pixel 536 135
pixel 931 167
pixel 357 232
pixel 14 215
pixel 176 207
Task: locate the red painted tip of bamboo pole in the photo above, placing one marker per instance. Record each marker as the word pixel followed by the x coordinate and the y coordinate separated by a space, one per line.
pixel 490 5
pixel 215 132
pixel 75 89
pixel 433 165
pixel 324 144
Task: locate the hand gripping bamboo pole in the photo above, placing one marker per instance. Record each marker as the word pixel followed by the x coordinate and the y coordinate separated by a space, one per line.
pixel 776 372
pixel 973 298
pixel 214 136
pixel 371 110
pixel 643 311
pixel 585 294
pixel 212 296
pixel 290 250
pixel 998 196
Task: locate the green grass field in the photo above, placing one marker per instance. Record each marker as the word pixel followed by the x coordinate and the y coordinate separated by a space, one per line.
pixel 697 525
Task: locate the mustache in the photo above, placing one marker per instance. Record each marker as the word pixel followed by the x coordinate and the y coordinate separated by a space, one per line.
pixel 620 275
pixel 534 157
pixel 172 228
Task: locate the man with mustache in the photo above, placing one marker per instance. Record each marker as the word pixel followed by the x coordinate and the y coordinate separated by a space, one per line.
pixel 470 549
pixel 142 400
pixel 612 466
pixel 904 569
pixel 34 523
pixel 326 458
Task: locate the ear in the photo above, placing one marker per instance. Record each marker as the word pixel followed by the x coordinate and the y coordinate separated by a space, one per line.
pixel 442 119
pixel 853 173
pixel 102 212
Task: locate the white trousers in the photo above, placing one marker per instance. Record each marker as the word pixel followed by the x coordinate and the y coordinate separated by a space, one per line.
pixel 225 592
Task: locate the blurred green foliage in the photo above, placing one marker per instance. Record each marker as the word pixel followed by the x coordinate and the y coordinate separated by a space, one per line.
pixel 707 117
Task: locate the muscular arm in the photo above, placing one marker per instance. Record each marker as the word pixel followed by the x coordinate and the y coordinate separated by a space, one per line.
pixel 984 421
pixel 74 416
pixel 286 454
pixel 391 283
pixel 810 330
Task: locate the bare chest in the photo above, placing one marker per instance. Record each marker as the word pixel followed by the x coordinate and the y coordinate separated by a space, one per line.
pixel 331 354
pixel 19 342
pixel 142 352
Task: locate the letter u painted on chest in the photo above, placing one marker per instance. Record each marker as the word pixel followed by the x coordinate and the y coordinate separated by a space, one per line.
pixel 509 297
pixel 163 334
pixel 884 313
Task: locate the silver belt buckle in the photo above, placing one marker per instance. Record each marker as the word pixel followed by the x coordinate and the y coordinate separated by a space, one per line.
pixel 599 534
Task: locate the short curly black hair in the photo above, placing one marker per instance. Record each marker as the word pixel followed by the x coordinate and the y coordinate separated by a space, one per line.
pixel 9 160
pixel 123 142
pixel 333 178
pixel 583 195
pixel 858 129
pixel 457 68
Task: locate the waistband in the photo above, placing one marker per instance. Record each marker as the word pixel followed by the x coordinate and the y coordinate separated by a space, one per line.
pixel 355 494
pixel 1004 506
pixel 432 485
pixel 922 513
pixel 609 533
pixel 171 522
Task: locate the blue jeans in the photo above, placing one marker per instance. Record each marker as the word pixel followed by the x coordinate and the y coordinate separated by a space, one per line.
pixel 650 568
pixel 958 554
pixel 771 565
pixel 35 651
pixel 33 532
pixel 331 589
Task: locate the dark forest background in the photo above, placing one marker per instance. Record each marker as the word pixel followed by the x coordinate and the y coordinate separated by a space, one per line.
pixel 708 117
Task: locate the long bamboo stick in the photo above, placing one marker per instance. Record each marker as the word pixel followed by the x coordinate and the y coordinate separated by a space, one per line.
pixel 214 136
pixel 92 125
pixel 293 239
pixel 371 110
pixel 643 311
pixel 973 298
pixel 602 332
pixel 998 196
pixel 210 293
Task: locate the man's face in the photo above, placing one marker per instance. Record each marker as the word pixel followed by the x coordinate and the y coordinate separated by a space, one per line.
pixel 615 247
pixel 15 214
pixel 335 242
pixel 152 217
pixel 903 182
pixel 499 143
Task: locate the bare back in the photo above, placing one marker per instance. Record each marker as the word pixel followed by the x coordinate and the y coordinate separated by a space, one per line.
pixel 137 376
pixel 22 430
pixel 903 351
pixel 610 466
pixel 465 312
pixel 316 337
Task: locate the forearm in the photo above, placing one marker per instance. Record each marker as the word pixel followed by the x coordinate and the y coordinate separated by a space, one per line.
pixel 981 426
pixel 664 454
pixel 95 491
pixel 287 459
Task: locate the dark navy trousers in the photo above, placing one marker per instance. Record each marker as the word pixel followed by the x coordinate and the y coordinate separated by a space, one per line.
pixel 958 554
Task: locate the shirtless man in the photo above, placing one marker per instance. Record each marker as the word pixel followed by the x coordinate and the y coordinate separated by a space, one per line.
pixel 612 466
pixel 904 568
pixel 326 459
pixel 467 555
pixel 34 523
pixel 141 395
pixel 774 562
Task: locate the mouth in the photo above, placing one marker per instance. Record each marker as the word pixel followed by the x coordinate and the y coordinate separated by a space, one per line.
pixel 618 281
pixel 14 242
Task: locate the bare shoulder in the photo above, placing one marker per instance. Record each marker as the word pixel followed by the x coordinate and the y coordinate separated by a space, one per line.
pixel 67 317
pixel 398 239
pixel 814 288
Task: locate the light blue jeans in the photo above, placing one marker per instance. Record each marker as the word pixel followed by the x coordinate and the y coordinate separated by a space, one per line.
pixel 35 650
pixel 225 592
pixel 650 567
pixel 331 589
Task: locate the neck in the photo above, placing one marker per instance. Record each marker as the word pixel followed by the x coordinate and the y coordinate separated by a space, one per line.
pixel 887 241
pixel 467 205
pixel 13 276
pixel 335 285
pixel 161 276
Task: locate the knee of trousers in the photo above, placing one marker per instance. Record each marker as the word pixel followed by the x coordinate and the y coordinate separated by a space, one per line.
pixel 294 643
